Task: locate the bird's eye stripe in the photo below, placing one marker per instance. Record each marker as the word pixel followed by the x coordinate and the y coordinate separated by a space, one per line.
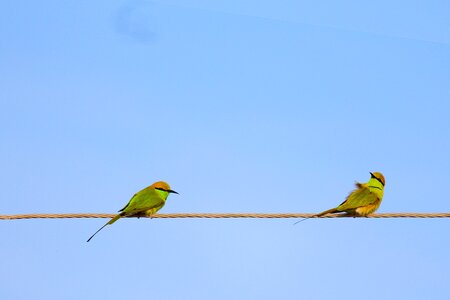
pixel 161 189
pixel 379 180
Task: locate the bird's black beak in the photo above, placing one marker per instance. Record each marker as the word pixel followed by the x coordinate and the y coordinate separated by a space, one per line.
pixel 171 191
pixel 371 175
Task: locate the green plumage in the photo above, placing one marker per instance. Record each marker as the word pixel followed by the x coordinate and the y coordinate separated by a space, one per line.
pixel 146 202
pixel 362 201
pixel 361 196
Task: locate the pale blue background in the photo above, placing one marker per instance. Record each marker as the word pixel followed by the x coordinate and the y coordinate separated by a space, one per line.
pixel 242 106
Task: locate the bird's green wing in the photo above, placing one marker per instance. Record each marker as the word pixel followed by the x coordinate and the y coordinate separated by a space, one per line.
pixel 361 196
pixel 126 205
pixel 142 201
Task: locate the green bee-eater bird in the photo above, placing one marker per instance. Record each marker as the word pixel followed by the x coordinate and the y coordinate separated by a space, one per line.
pixel 362 201
pixel 146 202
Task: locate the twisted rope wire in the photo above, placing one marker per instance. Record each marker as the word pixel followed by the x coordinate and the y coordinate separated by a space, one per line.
pixel 224 215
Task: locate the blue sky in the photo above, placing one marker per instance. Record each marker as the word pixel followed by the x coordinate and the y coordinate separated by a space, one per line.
pixel 242 106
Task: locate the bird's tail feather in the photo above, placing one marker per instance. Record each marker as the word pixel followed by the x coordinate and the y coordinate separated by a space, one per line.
pixel 330 211
pixel 117 217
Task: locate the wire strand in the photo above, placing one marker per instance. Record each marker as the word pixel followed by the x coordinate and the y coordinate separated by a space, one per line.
pixel 223 215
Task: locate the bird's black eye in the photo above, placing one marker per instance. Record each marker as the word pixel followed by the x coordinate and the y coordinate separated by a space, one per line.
pixel 161 189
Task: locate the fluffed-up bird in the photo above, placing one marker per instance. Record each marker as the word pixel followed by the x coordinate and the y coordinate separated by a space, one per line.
pixel 146 202
pixel 362 201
